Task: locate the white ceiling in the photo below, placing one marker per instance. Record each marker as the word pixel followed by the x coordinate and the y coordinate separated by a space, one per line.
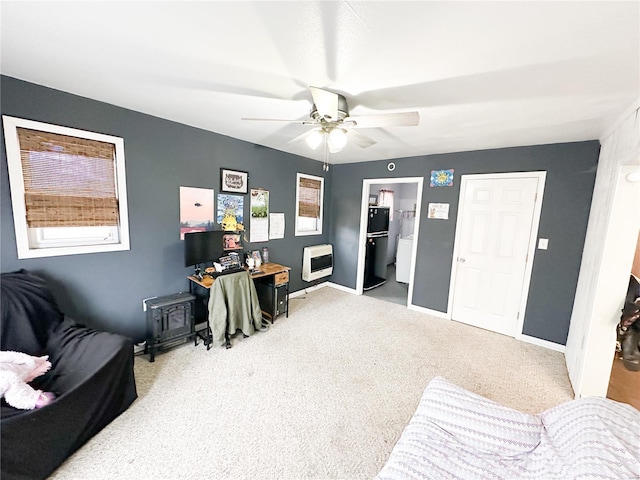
pixel 481 74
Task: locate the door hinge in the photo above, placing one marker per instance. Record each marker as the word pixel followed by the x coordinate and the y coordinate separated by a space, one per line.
pixel 518 316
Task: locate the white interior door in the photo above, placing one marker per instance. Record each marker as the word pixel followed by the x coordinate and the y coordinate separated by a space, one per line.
pixel 494 239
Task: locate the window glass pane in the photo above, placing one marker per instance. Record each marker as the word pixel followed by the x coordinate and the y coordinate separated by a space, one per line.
pixel 65 234
pixel 307 224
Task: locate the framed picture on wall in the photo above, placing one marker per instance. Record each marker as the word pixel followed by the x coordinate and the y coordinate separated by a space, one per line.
pixel 231 241
pixel 234 181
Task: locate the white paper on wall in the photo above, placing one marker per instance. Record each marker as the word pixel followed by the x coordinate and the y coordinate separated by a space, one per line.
pixel 276 222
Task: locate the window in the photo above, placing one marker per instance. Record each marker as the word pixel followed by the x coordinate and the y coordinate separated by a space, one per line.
pixel 68 189
pixel 309 194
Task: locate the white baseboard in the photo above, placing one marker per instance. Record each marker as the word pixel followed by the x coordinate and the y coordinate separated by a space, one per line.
pixel 321 285
pixel 428 311
pixel 307 290
pixel 342 287
pixel 541 343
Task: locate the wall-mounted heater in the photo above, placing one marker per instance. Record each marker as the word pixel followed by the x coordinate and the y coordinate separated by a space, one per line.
pixel 317 262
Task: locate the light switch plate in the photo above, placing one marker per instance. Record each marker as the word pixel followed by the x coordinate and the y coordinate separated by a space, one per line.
pixel 543 243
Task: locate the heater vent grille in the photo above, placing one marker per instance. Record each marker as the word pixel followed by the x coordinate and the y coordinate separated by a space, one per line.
pixel 317 262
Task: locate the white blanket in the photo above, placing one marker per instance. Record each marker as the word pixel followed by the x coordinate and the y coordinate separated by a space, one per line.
pixel 457 434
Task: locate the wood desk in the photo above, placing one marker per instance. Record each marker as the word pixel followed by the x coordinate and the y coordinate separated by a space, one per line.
pixel 271 279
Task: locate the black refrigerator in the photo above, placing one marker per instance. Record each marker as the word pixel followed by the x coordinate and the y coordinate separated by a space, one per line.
pixel 375 263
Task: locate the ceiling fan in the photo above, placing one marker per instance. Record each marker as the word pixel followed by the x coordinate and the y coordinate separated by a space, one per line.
pixel 331 121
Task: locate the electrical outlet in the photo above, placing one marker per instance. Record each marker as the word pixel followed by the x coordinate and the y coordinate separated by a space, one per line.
pixel 144 303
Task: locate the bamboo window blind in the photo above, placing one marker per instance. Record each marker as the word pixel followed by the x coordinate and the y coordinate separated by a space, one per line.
pixel 309 197
pixel 68 181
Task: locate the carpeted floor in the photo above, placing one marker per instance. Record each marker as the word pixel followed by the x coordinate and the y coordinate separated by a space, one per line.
pixel 324 394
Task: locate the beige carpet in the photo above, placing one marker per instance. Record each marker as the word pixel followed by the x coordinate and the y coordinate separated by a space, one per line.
pixel 323 394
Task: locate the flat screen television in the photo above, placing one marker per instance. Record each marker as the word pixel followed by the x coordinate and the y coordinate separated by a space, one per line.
pixel 202 247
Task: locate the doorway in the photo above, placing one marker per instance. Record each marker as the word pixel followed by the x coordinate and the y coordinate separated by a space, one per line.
pixel 403 230
pixel 495 240
pixel 602 283
pixel 624 384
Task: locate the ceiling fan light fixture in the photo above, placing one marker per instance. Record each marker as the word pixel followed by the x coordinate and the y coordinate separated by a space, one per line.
pixel 634 177
pixel 332 122
pixel 337 139
pixel 314 139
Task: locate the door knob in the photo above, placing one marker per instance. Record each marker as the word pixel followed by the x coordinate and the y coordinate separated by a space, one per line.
pixel 461 260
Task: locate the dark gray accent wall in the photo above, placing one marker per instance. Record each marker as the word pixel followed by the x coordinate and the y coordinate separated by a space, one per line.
pixel 105 290
pixel 571 171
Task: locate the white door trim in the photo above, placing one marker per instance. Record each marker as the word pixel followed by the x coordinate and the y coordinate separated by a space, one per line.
pixel 541 176
pixel 364 210
pixel 591 343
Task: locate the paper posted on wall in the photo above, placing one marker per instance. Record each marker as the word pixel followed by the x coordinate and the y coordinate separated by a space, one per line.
pixel 276 224
pixel 259 231
pixel 438 210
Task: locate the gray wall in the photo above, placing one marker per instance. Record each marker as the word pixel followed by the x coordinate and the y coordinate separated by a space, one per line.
pixel 106 290
pixel 571 170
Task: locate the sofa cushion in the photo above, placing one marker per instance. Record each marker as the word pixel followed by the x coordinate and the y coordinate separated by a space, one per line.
pixel 29 313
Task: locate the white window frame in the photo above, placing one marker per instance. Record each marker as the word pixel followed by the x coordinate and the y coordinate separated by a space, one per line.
pixel 317 231
pixel 56 241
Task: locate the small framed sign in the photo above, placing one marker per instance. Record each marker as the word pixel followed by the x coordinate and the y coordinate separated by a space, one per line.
pixel 234 181
pixel 231 241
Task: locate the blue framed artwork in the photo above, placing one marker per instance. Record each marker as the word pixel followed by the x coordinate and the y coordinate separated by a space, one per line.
pixel 441 178
pixel 230 205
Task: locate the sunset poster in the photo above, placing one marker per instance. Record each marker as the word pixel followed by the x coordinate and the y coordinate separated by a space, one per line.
pixel 196 210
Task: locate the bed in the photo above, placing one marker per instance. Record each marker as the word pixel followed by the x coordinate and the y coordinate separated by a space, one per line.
pixel 457 434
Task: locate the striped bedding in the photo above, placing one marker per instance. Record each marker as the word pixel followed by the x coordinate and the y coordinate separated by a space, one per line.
pixel 457 434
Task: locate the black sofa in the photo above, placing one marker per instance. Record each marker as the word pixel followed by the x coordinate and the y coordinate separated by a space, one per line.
pixel 91 374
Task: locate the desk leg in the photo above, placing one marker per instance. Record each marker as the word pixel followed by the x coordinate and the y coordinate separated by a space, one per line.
pixel 206 336
pixel 209 336
pixel 274 301
pixel 286 301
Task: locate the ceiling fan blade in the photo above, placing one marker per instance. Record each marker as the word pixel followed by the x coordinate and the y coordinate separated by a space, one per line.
pixel 400 119
pixel 326 103
pixel 360 139
pixel 304 122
